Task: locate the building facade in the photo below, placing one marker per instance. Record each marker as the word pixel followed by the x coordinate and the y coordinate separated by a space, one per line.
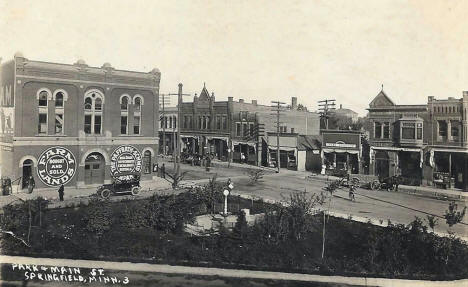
pixel 76 125
pixel 168 130
pixel 240 131
pixel 421 143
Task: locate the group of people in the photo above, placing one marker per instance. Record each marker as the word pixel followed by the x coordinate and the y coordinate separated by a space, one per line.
pixel 32 184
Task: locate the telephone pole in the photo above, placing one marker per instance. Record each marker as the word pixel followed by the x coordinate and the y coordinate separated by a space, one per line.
pixel 325 107
pixel 179 104
pixel 277 106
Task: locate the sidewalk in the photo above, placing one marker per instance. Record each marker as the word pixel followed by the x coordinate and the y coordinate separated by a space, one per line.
pixel 158 184
pixel 426 191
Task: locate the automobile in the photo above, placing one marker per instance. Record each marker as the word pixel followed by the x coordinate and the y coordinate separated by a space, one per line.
pixel 121 184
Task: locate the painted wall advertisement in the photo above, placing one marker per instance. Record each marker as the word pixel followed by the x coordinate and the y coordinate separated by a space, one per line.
pixel 56 166
pixel 124 160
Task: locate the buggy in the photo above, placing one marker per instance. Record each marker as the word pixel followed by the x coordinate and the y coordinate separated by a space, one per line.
pixel 122 183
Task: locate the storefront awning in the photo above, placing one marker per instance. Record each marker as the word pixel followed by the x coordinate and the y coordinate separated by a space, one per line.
pixel 284 148
pixel 339 150
pixel 448 150
pixel 397 149
pixel 188 136
pixel 254 144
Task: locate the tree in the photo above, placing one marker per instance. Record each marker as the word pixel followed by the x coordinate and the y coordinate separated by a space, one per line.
pixel 432 222
pixel 452 216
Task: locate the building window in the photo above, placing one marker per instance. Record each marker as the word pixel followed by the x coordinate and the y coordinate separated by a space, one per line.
pixel 251 129
pixel 442 128
pixel 245 129
pixel 174 121
pixel 147 162
pixel 377 130
pixel 136 125
pixel 137 104
pixel 42 126
pixel 224 122
pixel 238 129
pixel 87 124
pixel 218 123
pixel 408 131
pixel 43 95
pixel 93 104
pixel 58 123
pixel 124 103
pixel 454 128
pixel 386 130
pixel 170 122
pixel 123 124
pixel 292 130
pixel 419 131
pixel 59 100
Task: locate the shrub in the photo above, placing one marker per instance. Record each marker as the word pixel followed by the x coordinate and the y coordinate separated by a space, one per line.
pixel 98 217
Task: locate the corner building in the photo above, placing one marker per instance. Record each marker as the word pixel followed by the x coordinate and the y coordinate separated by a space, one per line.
pixel 76 124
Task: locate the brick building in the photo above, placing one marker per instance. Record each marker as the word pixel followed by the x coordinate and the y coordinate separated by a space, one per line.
pixel 75 124
pixel 422 143
pixel 240 131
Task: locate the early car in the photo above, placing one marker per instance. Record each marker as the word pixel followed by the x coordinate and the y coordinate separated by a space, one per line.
pixel 122 183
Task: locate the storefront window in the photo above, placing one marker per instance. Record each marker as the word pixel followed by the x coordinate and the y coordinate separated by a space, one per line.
pixel 147 161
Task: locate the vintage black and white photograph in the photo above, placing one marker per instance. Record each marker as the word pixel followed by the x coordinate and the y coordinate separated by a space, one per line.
pixel 233 143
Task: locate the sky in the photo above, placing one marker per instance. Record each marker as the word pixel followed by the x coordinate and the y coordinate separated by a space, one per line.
pixel 263 50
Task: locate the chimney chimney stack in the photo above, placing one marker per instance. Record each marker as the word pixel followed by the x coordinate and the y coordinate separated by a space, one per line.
pixel 254 102
pixel 241 100
pixel 341 106
pixel 294 103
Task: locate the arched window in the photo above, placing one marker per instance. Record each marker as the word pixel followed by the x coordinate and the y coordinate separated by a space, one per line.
pixel 43 95
pixel 124 103
pixel 88 103
pixel 98 104
pixel 59 100
pixel 94 100
pixel 138 104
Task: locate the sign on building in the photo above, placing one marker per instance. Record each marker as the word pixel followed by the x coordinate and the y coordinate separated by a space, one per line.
pixel 125 159
pixel 56 166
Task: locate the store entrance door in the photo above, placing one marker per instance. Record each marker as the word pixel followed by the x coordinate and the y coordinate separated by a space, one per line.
pixel 94 169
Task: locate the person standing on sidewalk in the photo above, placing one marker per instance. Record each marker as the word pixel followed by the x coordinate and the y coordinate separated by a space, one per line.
pixel 61 192
pixel 31 184
pixel 163 171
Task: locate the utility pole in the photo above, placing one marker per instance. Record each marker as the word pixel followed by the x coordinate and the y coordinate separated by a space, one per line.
pixel 164 98
pixel 179 104
pixel 325 107
pixel 277 109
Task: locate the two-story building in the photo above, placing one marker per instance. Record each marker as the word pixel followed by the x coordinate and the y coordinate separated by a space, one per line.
pixel 447 138
pixel 425 144
pixel 397 139
pixel 241 131
pixel 168 130
pixel 76 125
